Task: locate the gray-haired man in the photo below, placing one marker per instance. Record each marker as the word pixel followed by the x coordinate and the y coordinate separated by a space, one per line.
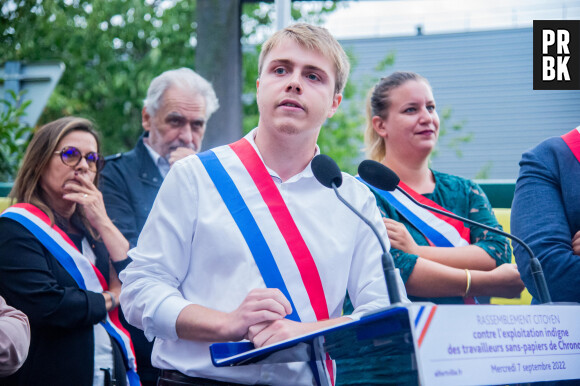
pixel 178 106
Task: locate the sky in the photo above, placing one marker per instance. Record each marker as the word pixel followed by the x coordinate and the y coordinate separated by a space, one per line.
pixel 402 17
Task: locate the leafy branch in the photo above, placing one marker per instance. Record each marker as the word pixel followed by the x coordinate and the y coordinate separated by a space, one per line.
pixel 14 135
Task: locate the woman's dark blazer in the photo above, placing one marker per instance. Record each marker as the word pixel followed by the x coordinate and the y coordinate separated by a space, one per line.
pixel 61 314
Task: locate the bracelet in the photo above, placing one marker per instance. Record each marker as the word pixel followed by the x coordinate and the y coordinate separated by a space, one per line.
pixel 468 274
pixel 113 301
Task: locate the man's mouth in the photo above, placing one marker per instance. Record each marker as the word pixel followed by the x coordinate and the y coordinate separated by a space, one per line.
pixel 175 147
pixel 292 104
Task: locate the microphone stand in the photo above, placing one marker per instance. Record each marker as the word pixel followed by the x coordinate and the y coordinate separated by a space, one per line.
pixel 535 266
pixel 387 259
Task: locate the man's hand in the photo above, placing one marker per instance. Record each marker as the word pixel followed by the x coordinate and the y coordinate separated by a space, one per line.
pixel 262 305
pixel 267 333
pixel 576 243
pixel 179 153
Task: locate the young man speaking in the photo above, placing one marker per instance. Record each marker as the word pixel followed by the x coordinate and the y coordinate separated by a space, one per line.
pixel 244 243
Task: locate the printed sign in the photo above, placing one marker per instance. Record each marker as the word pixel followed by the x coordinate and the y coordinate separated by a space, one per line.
pixel 486 345
pixel 556 54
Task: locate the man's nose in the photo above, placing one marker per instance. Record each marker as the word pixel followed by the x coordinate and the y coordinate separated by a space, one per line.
pixel 186 135
pixel 294 84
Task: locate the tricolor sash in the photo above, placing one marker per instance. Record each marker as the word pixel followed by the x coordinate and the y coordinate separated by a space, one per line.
pixel 572 139
pixel 86 275
pixel 259 197
pixel 439 230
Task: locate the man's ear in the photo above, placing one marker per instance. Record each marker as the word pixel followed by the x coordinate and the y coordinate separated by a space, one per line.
pixel 257 85
pixel 335 103
pixel 145 119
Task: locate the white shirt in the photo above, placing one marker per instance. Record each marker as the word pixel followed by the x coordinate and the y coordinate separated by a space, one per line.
pixel 159 161
pixel 191 252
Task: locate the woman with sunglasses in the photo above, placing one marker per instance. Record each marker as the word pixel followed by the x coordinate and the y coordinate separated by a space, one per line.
pixel 59 253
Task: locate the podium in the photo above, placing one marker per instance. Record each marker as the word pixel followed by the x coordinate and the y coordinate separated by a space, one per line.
pixel 428 344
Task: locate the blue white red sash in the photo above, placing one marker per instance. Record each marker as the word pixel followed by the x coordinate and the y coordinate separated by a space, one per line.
pixel 572 139
pixel 266 224
pixel 87 276
pixel 439 230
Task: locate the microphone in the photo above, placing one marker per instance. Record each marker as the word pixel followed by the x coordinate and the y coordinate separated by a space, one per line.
pixel 327 172
pixel 383 178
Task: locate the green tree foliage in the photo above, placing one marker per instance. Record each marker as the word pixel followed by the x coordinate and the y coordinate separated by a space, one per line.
pixel 14 135
pixel 342 135
pixel 113 48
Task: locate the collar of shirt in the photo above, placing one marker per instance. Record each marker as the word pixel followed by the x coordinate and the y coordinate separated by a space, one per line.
pixel 307 172
pixel 161 163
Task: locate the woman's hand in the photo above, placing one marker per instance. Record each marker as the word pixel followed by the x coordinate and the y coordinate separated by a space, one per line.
pixel 90 198
pixel 503 281
pixel 114 292
pixel 111 300
pixel 400 237
pixel 576 243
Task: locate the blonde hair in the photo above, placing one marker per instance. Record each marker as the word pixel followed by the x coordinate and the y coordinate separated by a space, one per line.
pixel 378 104
pixel 312 38
pixel 41 149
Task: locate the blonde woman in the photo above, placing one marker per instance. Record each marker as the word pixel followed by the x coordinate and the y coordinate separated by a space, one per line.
pixel 402 131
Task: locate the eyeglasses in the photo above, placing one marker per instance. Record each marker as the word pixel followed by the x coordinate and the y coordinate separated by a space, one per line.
pixel 71 156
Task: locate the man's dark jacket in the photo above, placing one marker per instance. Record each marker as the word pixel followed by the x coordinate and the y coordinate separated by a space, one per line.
pixel 130 182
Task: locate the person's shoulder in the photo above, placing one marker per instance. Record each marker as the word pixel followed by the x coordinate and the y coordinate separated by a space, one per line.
pixel 552 145
pixel 350 179
pixel 223 154
pixel 550 153
pixel 9 228
pixel 449 177
pixel 136 153
pixel 551 142
pixel 354 185
pixel 113 157
pixel 452 181
pixel 127 160
pixel 124 156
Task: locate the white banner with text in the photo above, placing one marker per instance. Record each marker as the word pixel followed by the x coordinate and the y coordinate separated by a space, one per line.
pixel 490 344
